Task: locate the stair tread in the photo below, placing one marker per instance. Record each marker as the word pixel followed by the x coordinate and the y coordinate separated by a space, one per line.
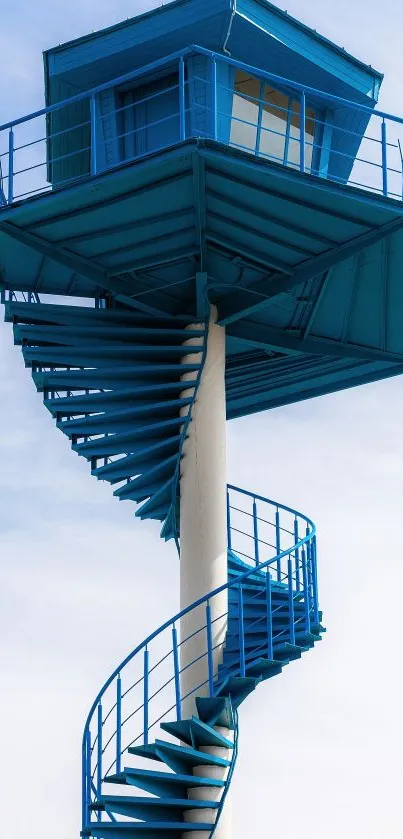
pixel 186 754
pixel 194 728
pixel 180 803
pixel 170 777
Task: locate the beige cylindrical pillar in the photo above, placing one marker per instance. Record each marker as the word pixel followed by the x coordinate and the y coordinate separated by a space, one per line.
pixel 203 541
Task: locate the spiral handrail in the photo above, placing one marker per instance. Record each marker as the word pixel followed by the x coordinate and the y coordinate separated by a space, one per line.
pixel 300 554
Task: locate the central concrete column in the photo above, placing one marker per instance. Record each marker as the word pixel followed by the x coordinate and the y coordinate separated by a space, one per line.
pixel 203 542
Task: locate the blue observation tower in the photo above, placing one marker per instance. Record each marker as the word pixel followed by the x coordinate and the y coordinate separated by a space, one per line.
pixel 205 221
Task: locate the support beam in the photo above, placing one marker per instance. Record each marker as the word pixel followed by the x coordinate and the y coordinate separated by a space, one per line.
pixel 280 284
pixel 272 339
pixel 119 288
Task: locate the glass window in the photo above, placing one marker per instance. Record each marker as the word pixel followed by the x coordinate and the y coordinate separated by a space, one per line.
pixel 245 111
pixel 267 122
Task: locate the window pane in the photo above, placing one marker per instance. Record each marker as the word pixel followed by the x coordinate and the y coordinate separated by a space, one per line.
pixel 293 157
pixel 274 124
pixel 245 111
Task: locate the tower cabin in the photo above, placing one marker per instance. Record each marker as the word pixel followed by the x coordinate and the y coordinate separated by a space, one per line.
pixel 243 74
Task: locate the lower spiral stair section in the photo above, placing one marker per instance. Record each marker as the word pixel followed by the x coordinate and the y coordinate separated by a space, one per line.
pixel 185 778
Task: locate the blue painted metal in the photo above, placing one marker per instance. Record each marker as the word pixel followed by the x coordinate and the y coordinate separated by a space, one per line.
pixel 302 131
pixel 255 531
pixel 146 695
pixel 118 723
pixel 241 633
pixel 154 210
pixel 269 617
pixel 340 161
pixel 210 661
pixel 306 591
pixel 99 749
pixel 178 702
pixel 262 615
pixel 291 617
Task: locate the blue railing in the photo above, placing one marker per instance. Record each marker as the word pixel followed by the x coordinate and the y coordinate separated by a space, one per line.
pixel 204 95
pixel 145 690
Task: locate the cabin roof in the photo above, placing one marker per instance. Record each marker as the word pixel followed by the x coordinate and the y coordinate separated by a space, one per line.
pixel 209 23
pixel 173 4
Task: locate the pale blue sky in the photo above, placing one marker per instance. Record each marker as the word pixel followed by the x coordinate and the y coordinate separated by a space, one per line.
pixel 320 747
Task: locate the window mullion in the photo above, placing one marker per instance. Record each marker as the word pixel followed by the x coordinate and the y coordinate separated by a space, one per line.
pixel 287 131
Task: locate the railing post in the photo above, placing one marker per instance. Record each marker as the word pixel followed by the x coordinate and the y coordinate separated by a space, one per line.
pixel 94 139
pixel 302 132
pixel 269 617
pixel 214 98
pixel 384 159
pixel 241 632
pixel 255 532
pixel 229 543
pixel 210 663
pixel 278 545
pixel 99 752
pixel 146 673
pixel 310 573
pixel 176 673
pixel 291 604
pixel 297 569
pixel 11 167
pixel 306 593
pixel 86 774
pixel 118 724
pixel 182 98
pixel 315 582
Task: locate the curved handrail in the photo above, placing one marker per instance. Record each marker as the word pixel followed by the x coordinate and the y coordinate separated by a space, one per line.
pixel 202 600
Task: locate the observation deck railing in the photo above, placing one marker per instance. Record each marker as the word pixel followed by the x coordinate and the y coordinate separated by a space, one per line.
pixel 145 690
pixel 77 138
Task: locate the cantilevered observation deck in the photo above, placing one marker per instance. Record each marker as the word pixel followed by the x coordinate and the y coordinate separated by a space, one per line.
pixel 194 163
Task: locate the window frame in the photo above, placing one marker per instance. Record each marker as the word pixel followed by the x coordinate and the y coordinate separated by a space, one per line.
pixel 293 98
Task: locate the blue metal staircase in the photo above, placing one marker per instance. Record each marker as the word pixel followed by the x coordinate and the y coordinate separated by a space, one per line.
pixel 112 379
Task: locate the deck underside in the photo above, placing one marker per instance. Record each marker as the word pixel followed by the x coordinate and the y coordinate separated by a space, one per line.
pixel 305 274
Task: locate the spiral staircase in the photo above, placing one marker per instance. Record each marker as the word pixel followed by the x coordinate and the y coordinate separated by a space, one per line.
pixel 156 762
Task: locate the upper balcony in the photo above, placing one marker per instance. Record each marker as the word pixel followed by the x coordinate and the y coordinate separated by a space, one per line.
pixel 199 93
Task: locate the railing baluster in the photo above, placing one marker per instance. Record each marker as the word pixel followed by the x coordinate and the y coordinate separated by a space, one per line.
pixel 302 132
pixel 269 617
pixel 11 166
pixel 255 532
pixel 182 98
pixel 99 752
pixel 94 139
pixel 310 575
pixel 176 673
pixel 241 632
pixel 229 522
pixel 86 779
pixel 384 159
pixel 291 619
pixel 306 593
pixel 278 545
pixel 146 674
pixel 210 662
pixel 214 113
pixel 315 582
pixel 297 568
pixel 118 724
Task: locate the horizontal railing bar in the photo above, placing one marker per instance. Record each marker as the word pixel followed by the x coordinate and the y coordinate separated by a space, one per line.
pixel 194 49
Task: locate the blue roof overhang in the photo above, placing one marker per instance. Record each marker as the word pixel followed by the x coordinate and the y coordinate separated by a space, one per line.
pixel 306 274
pixel 278 43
